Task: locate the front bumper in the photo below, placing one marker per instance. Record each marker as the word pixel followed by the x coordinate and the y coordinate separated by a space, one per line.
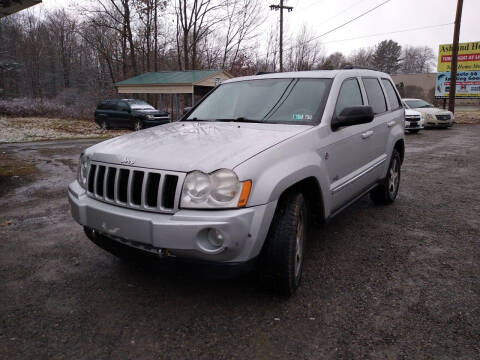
pixel 183 234
pixel 413 125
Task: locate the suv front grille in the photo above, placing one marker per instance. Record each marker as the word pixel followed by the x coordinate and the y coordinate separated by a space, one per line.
pixel 136 188
pixel 443 117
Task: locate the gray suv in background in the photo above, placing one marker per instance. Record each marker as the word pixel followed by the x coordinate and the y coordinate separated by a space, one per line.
pixel 238 180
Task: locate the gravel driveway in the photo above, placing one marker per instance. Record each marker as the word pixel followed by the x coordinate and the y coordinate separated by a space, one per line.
pixel 395 282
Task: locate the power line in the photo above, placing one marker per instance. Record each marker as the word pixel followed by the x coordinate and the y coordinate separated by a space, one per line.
pixel 339 26
pixel 343 11
pixel 389 33
pixel 344 24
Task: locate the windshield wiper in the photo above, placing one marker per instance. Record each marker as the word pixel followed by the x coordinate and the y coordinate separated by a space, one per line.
pixel 241 119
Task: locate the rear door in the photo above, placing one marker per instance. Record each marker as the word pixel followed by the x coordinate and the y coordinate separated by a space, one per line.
pixel 349 150
pixel 381 123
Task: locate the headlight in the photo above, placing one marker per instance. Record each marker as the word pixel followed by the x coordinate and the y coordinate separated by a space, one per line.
pixel 82 171
pixel 220 189
pixel 150 117
pixel 429 116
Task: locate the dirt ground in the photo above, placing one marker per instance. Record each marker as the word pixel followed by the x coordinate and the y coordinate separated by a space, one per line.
pixel 395 282
pixel 13 129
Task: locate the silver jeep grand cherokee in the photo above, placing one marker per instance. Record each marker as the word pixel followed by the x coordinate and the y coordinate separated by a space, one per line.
pixel 238 179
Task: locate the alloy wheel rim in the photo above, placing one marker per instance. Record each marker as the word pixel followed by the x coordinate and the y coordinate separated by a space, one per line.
pixel 299 239
pixel 394 178
pixel 137 126
pixel 104 125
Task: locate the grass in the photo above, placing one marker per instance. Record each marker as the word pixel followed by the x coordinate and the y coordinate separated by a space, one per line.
pixel 23 129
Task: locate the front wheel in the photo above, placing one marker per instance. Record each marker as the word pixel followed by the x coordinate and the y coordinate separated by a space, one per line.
pixel 138 125
pixel 282 255
pixel 386 192
pixel 104 125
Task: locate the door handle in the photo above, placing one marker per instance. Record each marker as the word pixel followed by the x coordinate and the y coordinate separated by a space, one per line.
pixel 367 134
pixel 391 123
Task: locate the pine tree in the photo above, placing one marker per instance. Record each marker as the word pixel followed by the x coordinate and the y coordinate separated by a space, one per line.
pixel 387 56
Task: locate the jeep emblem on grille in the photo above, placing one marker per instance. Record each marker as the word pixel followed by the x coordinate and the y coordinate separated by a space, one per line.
pixel 127 161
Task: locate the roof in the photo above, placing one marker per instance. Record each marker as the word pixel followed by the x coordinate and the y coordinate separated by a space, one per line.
pixel 169 77
pixel 325 74
pixel 13 6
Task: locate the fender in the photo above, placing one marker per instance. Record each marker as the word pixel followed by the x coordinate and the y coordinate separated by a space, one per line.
pixel 282 166
pixel 397 133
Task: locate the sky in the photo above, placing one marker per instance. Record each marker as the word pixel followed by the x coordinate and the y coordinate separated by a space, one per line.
pixel 320 16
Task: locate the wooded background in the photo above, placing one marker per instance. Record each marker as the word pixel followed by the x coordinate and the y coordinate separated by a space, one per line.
pixel 71 58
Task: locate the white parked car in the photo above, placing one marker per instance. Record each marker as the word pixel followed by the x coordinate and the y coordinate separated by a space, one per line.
pixel 413 121
pixel 433 116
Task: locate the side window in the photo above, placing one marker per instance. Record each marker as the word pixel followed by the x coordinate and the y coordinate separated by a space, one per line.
pixel 102 106
pixel 391 95
pixel 375 96
pixel 121 106
pixel 349 95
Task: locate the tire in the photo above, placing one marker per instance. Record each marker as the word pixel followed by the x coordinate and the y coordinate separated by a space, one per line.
pixel 386 192
pixel 413 131
pixel 137 125
pixel 281 261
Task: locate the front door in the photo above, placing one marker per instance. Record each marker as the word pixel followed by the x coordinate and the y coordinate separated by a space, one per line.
pixel 348 155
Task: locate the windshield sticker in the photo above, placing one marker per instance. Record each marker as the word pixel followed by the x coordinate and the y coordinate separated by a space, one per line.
pixel 302 117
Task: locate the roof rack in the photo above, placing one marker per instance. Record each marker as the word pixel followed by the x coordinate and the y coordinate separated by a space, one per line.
pixel 353 67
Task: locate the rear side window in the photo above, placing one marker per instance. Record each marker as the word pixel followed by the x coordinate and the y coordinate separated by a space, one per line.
pixel 350 95
pixel 391 95
pixel 103 106
pixel 375 96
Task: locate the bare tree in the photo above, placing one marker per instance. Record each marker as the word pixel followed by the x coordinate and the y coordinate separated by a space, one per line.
pixel 417 59
pixel 304 54
pixel 242 19
pixel 362 57
pixel 196 19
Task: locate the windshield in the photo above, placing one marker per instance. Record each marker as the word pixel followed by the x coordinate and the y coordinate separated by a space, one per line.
pixel 417 103
pixel 265 100
pixel 139 104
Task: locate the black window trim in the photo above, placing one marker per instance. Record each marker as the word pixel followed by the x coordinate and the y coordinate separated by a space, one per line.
pixel 396 94
pixel 383 92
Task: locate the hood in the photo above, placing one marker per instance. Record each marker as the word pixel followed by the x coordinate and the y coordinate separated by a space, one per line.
pixel 187 146
pixel 410 112
pixel 433 111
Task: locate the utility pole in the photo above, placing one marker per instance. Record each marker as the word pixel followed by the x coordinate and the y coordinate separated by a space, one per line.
pixel 289 9
pixel 453 70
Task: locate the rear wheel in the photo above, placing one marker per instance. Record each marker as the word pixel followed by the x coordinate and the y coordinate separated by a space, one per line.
pixel 282 255
pixel 387 191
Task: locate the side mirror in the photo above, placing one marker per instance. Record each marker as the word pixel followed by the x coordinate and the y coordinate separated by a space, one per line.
pixel 127 110
pixel 353 115
pixel 187 109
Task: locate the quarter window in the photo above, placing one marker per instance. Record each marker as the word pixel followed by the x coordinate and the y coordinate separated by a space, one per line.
pixel 375 96
pixel 391 95
pixel 350 95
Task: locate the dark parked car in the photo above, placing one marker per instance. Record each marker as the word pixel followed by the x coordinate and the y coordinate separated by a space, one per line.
pixel 129 113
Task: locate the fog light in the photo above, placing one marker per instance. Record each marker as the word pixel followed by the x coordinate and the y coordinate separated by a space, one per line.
pixel 215 238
